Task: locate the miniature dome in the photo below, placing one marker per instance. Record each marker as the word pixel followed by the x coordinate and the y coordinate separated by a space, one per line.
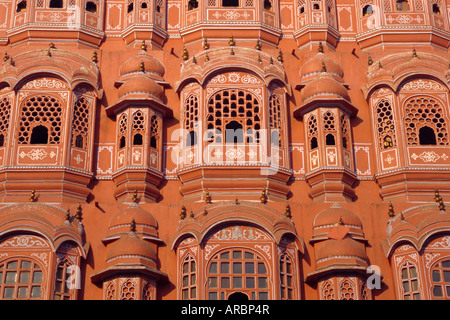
pixel 151 66
pixel 136 213
pixel 346 248
pixel 324 85
pixel 316 64
pixel 131 247
pixel 336 214
pixel 141 85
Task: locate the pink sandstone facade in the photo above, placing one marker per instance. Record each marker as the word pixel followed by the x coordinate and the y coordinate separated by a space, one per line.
pixel 224 149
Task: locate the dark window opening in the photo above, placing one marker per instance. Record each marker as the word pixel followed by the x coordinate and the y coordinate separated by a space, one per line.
pixel 313 143
pixel 267 5
pixel 436 9
pixel 329 140
pixel 137 139
pixel 427 136
pixel 275 138
pixel 367 10
pixel 57 4
pixel 192 4
pixel 2 140
pixel 39 135
pixel 344 142
pixel 130 7
pixel 144 5
pixel 122 142
pixel 316 6
pixel 234 132
pixel 21 6
pixel 91 7
pixel 238 296
pixel 79 141
pixel 402 5
pixel 302 10
pixel 191 139
pixel 230 3
pixel 153 142
pixel 158 9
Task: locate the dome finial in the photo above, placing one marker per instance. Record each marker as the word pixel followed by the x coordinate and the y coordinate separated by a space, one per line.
pixel 320 49
pixel 33 196
pixel 391 211
pixel 143 46
pixel 133 225
pixel 206 44
pixel 369 60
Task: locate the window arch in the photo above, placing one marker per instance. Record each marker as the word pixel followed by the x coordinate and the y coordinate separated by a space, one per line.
pixel 287 282
pixel 5 110
pixel 122 130
pixel 155 128
pixel 138 128
pixel 440 277
pixel 234 108
pixel 275 120
pixel 425 112
pixel 80 124
pixel 384 123
pixel 189 278
pixel 191 118
pixel 367 10
pixel 40 118
pixel 237 270
pixel 409 281
pixel 22 279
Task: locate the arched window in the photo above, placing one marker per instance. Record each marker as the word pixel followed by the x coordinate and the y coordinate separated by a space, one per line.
pixel 267 5
pixel 61 287
pixel 402 5
pixel 329 140
pixel 5 109
pixel 130 6
pixel 440 277
pixel 347 290
pixel 436 9
pixel 275 120
pixel 80 124
pixel 192 4
pixel 427 136
pixel 425 122
pixel 137 139
pixel 367 10
pixel 314 143
pixel 410 282
pixel 191 118
pixel 39 135
pixel 122 131
pixel 56 4
pixel 189 278
pixel 21 279
pixel 91 7
pixel 138 128
pixel 384 118
pixel 191 139
pixel 40 121
pixel 237 270
pixel 234 132
pixel 155 131
pixel 234 109
pixel 286 278
pixel 21 6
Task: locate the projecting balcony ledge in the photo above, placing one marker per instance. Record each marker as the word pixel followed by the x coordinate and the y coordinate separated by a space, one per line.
pixel 44 31
pixel 231 182
pixel 404 35
pixel 51 184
